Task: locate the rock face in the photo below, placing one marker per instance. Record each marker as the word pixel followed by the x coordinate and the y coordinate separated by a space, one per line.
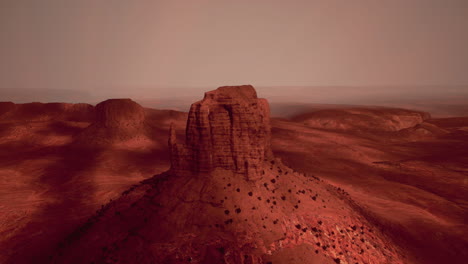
pixel 228 129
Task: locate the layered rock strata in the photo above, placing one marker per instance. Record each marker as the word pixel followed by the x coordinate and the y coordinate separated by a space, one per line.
pixel 228 129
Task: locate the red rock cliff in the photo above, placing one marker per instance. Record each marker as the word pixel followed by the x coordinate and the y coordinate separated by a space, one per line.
pixel 228 129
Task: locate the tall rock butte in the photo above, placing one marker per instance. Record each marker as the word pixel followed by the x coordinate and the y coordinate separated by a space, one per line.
pixel 229 129
pixel 227 200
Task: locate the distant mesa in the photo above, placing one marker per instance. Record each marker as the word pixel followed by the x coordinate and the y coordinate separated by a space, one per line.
pixel 363 118
pixel 226 199
pixel 115 120
pixel 228 129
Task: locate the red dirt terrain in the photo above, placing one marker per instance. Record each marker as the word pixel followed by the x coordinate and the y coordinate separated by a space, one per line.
pixel 412 183
pixel 353 185
pixel 54 173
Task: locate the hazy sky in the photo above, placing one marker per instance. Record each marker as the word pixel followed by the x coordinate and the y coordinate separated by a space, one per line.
pixel 116 44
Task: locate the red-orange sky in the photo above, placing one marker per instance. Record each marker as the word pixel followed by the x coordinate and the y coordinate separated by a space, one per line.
pixel 109 46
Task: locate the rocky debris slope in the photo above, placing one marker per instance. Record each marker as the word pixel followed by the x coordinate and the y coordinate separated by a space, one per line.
pixel 363 118
pixel 211 213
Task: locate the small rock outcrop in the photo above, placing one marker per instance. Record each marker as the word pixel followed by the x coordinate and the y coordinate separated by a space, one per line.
pixel 228 129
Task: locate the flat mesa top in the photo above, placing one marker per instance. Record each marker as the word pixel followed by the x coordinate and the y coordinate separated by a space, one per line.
pixel 241 93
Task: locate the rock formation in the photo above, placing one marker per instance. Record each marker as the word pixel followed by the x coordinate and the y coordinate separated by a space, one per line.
pixel 228 129
pixel 115 120
pixel 120 114
pixel 201 211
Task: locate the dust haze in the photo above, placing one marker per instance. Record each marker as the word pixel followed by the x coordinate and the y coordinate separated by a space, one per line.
pixel 234 132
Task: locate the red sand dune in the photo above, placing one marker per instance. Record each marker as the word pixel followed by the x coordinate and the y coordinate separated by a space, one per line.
pixel 393 185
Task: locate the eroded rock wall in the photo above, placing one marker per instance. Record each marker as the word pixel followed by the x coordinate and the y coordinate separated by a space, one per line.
pixel 228 129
